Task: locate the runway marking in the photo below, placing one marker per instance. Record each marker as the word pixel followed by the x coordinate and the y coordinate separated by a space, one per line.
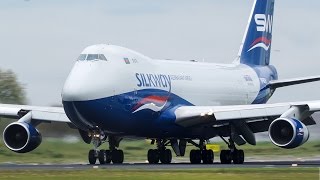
pixel 270 166
pixel 69 167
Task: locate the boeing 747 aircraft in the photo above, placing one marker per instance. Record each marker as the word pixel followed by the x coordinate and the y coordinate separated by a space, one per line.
pixel 113 93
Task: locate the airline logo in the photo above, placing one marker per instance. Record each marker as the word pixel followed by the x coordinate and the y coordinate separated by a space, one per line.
pixel 261 42
pixel 161 82
pixel 264 24
pixel 153 80
pixel 300 132
pixel 154 103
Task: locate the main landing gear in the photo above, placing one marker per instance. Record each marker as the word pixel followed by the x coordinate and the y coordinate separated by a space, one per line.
pixel 160 154
pixel 163 155
pixel 197 156
pixel 201 155
pixel 232 155
pixel 113 155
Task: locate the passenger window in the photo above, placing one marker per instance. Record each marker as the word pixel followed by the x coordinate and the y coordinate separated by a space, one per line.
pixel 102 57
pixel 82 57
pixel 91 57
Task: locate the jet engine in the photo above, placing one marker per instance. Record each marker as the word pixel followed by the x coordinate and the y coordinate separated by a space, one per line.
pixel 21 137
pixel 288 133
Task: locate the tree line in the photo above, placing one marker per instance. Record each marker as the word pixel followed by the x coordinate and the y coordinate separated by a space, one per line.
pixel 13 92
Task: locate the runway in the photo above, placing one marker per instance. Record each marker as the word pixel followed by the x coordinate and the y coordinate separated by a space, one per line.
pixel 175 166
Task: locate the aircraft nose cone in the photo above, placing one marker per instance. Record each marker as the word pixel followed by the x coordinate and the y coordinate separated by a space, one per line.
pixel 88 81
pixel 70 92
pixel 76 87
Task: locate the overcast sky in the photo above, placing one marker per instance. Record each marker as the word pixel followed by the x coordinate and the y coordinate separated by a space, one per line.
pixel 40 40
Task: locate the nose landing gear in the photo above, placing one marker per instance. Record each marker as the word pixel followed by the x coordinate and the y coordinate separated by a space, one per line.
pixel 113 155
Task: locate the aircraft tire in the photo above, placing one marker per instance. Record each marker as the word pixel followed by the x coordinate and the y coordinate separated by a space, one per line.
pixel 102 157
pixel 238 157
pixel 207 156
pixel 117 156
pixel 108 156
pixel 153 156
pixel 195 156
pixel 166 156
pixel 225 157
pixel 92 157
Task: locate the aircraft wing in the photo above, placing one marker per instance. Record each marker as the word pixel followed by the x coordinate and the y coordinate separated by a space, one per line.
pixel 243 120
pixel 49 114
pixel 188 116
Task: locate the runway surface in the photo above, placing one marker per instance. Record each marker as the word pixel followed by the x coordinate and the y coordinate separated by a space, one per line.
pixel 145 166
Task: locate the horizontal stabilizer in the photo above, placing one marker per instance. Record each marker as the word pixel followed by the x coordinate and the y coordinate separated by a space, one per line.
pixel 289 82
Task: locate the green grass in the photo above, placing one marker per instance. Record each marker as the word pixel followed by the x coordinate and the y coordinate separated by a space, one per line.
pixel 234 174
pixel 57 151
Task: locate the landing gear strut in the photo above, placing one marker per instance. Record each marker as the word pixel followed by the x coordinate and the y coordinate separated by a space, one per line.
pixel 105 156
pixel 160 154
pixel 203 154
pixel 232 155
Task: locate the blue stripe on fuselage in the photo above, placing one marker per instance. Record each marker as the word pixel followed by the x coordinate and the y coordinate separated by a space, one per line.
pixel 115 114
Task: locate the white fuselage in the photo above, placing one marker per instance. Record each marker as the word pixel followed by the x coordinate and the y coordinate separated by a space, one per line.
pixel 128 88
pixel 197 82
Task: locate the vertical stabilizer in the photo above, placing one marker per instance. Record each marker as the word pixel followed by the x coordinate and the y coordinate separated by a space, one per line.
pixel 256 45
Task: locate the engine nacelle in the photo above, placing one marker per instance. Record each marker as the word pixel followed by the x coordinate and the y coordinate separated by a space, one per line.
pixel 288 133
pixel 21 137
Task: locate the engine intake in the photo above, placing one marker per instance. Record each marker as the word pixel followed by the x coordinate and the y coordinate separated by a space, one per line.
pixel 288 133
pixel 21 137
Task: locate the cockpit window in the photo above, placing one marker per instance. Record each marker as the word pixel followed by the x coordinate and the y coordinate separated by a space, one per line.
pixel 91 57
pixel 102 57
pixel 82 57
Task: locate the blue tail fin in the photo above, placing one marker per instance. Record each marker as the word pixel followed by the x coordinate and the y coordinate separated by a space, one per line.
pixel 256 44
